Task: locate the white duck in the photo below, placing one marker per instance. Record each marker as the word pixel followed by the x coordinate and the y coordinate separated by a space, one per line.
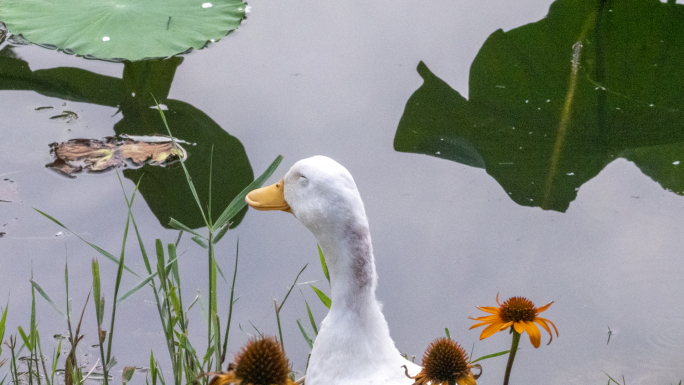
pixel 353 346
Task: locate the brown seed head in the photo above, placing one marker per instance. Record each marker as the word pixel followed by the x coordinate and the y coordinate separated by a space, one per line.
pixel 261 362
pixel 445 360
pixel 518 309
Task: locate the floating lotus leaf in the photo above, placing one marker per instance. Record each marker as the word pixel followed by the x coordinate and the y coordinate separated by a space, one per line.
pixel 122 29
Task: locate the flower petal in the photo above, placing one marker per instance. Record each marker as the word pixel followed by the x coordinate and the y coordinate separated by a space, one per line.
pixel 520 327
pixel 467 380
pixel 554 326
pixel 477 325
pixel 507 325
pixel 489 309
pixel 542 322
pixel 486 318
pixel 535 335
pixel 543 308
pixel 491 329
pixel 497 299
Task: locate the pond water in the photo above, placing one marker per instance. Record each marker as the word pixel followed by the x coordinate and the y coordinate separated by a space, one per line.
pixel 555 172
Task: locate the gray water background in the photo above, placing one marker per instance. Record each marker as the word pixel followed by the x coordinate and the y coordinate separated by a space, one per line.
pixel 307 78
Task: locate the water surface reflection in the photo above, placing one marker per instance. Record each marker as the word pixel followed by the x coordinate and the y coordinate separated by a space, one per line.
pixel 552 103
pixel 164 188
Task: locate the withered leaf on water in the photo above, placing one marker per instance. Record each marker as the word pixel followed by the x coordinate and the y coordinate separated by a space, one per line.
pixel 99 155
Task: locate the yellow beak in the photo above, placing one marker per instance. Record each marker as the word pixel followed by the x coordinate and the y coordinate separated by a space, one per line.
pixel 269 198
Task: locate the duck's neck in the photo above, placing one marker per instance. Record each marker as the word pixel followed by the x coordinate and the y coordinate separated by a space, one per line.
pixel 355 331
pixel 349 256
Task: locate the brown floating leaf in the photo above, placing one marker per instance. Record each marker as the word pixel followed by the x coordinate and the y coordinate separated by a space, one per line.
pixel 99 155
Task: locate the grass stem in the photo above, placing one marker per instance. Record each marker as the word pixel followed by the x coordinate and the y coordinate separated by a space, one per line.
pixel 230 306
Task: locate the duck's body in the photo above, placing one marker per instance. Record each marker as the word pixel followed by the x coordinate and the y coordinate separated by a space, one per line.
pixel 353 345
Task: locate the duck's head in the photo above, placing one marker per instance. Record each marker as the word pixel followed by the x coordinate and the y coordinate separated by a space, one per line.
pixel 320 192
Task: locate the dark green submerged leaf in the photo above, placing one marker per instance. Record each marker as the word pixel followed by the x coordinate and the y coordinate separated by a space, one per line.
pixel 543 127
pixel 123 29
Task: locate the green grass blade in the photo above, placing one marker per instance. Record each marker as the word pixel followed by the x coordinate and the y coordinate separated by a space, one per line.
pixel 200 242
pixel 161 271
pixel 66 284
pixel 34 331
pixel 25 338
pixel 238 203
pixel 292 287
pixel 185 169
pixel 306 336
pixel 97 297
pixel 137 234
pixel 446 331
pixel 185 344
pixel 220 271
pixel 2 324
pixel 173 256
pixel 323 264
pixel 179 226
pixel 141 284
pixel 153 368
pixel 324 298
pixel 611 378
pixel 230 307
pixel 42 360
pixel 55 360
pixel 222 231
pixel 311 318
pixel 98 249
pixel 45 296
pixel 491 356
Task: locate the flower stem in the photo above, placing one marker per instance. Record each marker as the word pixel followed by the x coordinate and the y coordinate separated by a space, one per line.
pixel 511 355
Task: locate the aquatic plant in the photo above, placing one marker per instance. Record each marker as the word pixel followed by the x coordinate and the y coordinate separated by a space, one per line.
pixel 123 29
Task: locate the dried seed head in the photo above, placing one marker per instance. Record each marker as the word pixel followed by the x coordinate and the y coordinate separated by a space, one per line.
pixel 445 361
pixel 261 362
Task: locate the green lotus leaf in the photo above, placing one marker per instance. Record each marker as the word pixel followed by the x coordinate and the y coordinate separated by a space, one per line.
pixel 122 29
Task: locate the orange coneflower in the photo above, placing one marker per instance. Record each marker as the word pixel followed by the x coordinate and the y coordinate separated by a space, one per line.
pixel 445 362
pixel 518 312
pixel 259 362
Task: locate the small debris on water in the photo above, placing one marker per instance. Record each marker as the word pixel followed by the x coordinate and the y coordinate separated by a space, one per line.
pixel 67 116
pixel 2 234
pixel 43 108
pixel 59 234
pixel 76 155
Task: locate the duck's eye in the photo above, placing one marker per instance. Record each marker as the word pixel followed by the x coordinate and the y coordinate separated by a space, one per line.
pixel 303 180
